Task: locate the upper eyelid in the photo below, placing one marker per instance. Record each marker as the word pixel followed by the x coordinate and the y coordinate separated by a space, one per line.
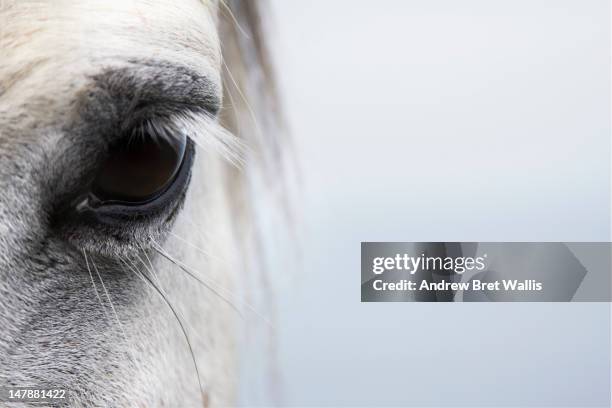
pixel 139 91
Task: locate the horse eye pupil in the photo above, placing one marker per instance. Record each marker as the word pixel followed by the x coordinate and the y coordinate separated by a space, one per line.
pixel 139 169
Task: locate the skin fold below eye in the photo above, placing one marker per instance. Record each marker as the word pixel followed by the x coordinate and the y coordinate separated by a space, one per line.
pixel 139 169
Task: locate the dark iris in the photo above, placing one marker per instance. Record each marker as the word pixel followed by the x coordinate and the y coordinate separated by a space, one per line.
pixel 139 169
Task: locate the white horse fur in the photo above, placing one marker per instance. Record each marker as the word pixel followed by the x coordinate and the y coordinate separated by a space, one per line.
pixel 69 317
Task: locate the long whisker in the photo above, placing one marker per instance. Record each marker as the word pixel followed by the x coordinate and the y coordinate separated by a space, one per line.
pixel 195 276
pixel 150 267
pixel 244 99
pixel 177 316
pixel 114 312
pixel 202 233
pixel 232 104
pixel 197 248
pixel 233 17
pixel 208 285
pixel 95 288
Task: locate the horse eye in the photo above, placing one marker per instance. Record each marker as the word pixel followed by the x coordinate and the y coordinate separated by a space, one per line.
pixel 138 170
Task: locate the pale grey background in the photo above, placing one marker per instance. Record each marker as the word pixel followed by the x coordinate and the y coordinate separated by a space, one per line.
pixel 442 120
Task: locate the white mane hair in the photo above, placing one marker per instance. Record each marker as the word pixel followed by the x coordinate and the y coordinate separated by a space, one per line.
pixel 69 316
